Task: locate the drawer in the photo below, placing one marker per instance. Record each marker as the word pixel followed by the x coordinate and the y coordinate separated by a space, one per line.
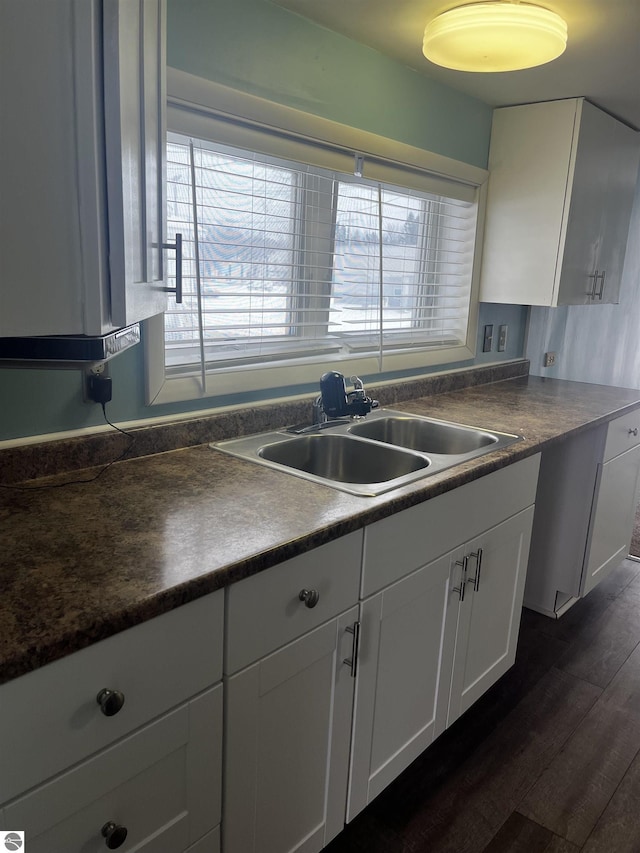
pixel 265 611
pixel 404 542
pixel 156 665
pixel 622 435
pixel 152 783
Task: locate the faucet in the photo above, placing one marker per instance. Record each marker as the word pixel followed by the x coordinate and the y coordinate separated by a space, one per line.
pixel 318 414
pixel 335 402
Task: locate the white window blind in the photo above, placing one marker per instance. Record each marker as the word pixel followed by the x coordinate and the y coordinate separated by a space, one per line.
pixel 285 261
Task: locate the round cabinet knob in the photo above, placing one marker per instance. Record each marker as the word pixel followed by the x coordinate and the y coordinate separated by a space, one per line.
pixel 310 597
pixel 633 431
pixel 110 701
pixel 114 834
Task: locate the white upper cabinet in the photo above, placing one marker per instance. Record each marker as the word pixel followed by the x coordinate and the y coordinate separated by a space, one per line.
pixel 561 187
pixel 83 95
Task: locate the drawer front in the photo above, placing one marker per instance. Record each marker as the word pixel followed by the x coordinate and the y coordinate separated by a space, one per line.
pixel 150 783
pixel 265 611
pixel 404 542
pixel 622 435
pixel 155 665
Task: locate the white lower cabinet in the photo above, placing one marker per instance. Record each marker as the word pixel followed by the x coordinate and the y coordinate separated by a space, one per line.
pixel 287 744
pixel 153 791
pixel 585 510
pixel 119 746
pixel 489 616
pixel 435 640
pixel 288 711
pixel 612 516
pixel 400 706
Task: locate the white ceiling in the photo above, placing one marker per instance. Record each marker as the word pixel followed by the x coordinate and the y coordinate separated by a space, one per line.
pixel 602 60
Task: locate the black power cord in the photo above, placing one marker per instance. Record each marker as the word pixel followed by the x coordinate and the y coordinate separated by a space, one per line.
pixel 103 386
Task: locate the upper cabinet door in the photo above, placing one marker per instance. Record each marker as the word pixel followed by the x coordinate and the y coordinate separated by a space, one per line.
pixel 135 131
pixel 83 94
pixel 622 173
pixel 561 187
pixel 578 274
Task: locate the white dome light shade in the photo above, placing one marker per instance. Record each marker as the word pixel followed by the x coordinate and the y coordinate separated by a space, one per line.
pixel 495 36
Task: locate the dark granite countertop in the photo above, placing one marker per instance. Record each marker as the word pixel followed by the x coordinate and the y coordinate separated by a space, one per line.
pixel 83 562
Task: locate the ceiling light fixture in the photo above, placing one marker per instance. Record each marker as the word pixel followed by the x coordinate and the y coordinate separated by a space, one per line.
pixel 495 36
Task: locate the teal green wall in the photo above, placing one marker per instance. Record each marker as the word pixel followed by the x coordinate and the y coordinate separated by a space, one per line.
pixel 260 48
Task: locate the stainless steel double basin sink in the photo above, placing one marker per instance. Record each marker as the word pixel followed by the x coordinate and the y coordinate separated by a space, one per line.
pixel 368 456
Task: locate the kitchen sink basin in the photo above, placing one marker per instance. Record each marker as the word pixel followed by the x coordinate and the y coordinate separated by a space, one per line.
pixel 340 458
pixel 425 436
pixel 370 456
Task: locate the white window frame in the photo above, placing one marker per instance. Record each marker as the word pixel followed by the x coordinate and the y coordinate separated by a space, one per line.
pixel 193 104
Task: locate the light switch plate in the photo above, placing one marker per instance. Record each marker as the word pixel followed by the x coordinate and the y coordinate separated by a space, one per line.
pixel 502 338
pixel 487 342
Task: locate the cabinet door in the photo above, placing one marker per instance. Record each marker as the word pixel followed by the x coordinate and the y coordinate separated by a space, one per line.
pixel 585 224
pixel 612 517
pixel 404 668
pixel 489 616
pixel 622 171
pixel 135 131
pixel 83 202
pixel 287 744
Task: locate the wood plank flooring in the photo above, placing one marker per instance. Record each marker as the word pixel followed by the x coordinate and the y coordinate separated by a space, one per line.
pixel 548 761
pixel 635 539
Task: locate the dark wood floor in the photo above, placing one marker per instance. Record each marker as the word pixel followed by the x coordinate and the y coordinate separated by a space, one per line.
pixel 548 761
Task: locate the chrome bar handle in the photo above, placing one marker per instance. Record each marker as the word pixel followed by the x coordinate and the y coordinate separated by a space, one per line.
pixel 464 562
pixel 600 292
pixel 177 246
pixel 595 276
pixel 353 661
pixel 477 555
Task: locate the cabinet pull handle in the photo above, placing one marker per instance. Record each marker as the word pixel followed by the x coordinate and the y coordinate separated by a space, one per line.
pixel 477 556
pixel 600 292
pixel 633 431
pixel 464 562
pixel 355 649
pixel 595 277
pixel 178 250
pixel 310 597
pixel 114 835
pixel 110 701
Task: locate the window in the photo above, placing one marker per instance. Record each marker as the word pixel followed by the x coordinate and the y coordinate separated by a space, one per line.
pixel 291 268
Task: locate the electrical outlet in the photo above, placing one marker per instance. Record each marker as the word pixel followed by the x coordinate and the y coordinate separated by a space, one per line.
pixel 502 338
pixel 95 379
pixel 549 359
pixel 487 341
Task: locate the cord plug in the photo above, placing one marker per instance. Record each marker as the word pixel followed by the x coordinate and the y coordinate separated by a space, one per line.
pixel 99 388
